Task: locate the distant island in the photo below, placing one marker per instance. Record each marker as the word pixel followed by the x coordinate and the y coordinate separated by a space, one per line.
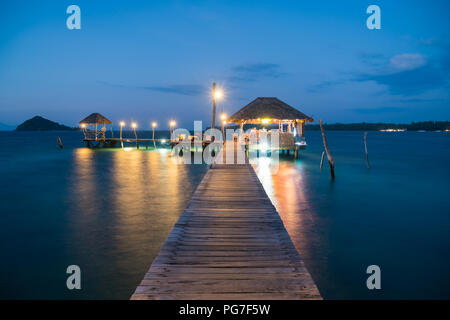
pixel 413 126
pixel 38 123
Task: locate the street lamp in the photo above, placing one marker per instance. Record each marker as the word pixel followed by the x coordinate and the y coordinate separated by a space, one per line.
pixel 122 124
pixel 216 95
pixel 172 124
pixel 154 124
pixel 223 117
pixel 134 126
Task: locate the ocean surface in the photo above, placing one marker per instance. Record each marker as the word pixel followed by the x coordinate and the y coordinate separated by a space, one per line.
pixel 109 212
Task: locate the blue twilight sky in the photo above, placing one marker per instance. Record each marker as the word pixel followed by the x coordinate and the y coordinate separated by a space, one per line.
pixel 153 60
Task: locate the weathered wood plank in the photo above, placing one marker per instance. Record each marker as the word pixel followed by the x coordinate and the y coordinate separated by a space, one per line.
pixel 229 243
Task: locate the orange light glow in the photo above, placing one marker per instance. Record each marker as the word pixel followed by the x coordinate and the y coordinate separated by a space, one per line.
pixel 218 94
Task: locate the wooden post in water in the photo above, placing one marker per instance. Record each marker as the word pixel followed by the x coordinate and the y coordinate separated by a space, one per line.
pixel 329 156
pixel 365 147
pixel 321 160
pixel 60 143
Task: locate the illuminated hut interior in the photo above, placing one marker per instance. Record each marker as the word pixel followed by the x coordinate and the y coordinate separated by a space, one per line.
pixel 96 120
pixel 276 116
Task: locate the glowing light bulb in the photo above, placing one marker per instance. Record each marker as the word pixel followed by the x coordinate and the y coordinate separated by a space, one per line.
pixel 218 94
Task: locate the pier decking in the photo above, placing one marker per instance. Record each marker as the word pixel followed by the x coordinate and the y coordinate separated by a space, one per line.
pixel 229 243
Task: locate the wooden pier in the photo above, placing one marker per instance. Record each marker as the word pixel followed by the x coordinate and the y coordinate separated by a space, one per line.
pixel 137 143
pixel 229 243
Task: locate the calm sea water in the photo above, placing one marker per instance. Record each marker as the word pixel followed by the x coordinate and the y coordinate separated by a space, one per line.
pixel 109 211
pixel 395 215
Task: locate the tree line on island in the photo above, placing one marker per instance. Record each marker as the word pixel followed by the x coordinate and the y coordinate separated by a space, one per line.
pixel 364 126
pixel 39 123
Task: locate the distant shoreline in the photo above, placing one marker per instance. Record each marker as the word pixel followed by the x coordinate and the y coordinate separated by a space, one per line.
pixel 363 126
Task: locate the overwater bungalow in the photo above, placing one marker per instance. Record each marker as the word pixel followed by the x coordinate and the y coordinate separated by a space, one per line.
pixel 96 120
pixel 273 115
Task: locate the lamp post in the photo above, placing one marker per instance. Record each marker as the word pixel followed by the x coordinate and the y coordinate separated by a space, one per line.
pixel 216 95
pixel 122 124
pixel 83 126
pixel 213 123
pixel 154 124
pixel 223 118
pixel 134 126
pixel 172 124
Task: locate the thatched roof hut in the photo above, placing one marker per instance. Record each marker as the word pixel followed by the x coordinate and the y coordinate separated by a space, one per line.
pixel 268 108
pixel 95 118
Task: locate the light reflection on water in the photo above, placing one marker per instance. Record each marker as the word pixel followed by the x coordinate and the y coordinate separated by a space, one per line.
pixel 125 204
pixel 109 211
pixel 285 184
pixel 394 214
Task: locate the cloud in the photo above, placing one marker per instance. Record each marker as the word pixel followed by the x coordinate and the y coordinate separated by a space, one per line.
pixel 377 110
pixel 409 74
pixel 417 100
pixel 324 85
pixel 186 89
pixel 255 71
pixel 181 89
pixel 409 82
pixel 372 59
pixel 403 74
pixel 407 61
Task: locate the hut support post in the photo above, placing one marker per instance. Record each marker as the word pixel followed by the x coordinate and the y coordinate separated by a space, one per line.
pixel 329 156
pixel 300 129
pixel 365 148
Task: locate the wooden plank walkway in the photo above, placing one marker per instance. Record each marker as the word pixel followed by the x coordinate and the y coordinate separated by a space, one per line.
pixel 229 243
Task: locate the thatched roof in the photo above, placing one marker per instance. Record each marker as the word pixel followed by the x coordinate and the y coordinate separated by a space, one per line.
pixel 95 118
pixel 268 108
